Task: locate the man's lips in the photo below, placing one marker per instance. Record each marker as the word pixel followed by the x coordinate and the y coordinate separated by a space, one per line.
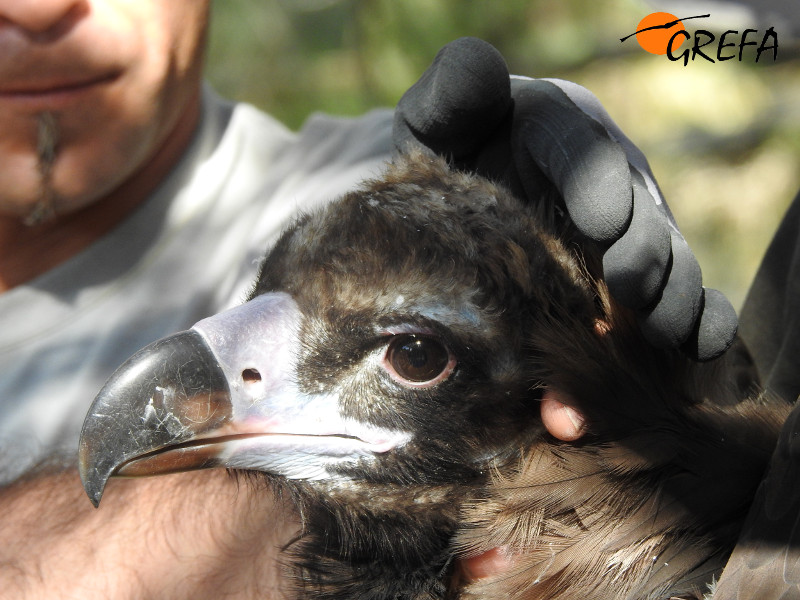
pixel 51 94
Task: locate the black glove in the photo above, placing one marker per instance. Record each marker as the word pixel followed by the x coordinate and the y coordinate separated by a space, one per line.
pixel 533 134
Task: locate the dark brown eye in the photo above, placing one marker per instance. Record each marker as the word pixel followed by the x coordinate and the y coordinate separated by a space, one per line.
pixel 419 360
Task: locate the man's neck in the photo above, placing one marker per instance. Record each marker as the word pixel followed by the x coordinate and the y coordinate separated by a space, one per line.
pixel 28 251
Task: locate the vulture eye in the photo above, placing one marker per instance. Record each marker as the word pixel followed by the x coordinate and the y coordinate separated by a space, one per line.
pixel 418 360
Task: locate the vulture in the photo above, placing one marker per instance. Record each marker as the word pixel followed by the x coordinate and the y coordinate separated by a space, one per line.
pixel 387 374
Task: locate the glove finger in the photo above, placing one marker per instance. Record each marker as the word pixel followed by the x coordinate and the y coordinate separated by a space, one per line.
pixel 715 330
pixel 590 105
pixel 670 322
pixel 635 265
pixel 575 152
pixel 457 103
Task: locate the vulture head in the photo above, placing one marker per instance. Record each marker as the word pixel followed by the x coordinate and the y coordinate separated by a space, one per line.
pixel 386 373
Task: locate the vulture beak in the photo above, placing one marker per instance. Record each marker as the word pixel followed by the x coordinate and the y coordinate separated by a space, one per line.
pixel 222 394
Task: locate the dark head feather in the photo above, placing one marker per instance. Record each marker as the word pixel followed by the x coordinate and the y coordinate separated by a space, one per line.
pixel 646 505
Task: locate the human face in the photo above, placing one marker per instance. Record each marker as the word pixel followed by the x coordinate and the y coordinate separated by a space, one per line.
pixel 107 82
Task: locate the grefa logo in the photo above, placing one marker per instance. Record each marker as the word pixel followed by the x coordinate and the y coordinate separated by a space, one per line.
pixel 664 33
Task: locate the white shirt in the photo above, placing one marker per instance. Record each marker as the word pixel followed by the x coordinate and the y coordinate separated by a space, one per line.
pixel 190 250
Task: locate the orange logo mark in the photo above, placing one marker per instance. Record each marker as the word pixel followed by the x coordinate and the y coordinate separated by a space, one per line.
pixel 655 30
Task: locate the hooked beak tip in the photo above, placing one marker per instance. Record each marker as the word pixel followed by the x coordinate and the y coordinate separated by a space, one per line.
pixel 94 487
pixel 165 394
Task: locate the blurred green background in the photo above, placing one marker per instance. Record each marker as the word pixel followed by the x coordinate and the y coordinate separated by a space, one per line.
pixel 722 138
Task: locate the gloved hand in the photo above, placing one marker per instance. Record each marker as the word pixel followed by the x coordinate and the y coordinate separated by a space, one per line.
pixel 533 134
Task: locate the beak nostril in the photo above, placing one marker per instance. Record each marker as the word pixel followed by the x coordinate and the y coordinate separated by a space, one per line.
pixel 251 376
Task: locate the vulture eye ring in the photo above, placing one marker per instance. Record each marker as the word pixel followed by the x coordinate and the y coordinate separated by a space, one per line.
pixel 418 360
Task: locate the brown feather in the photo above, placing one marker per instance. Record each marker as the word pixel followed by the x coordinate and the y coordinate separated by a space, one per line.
pixel 650 503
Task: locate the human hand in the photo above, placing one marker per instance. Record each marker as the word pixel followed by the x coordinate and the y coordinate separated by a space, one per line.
pixel 536 135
